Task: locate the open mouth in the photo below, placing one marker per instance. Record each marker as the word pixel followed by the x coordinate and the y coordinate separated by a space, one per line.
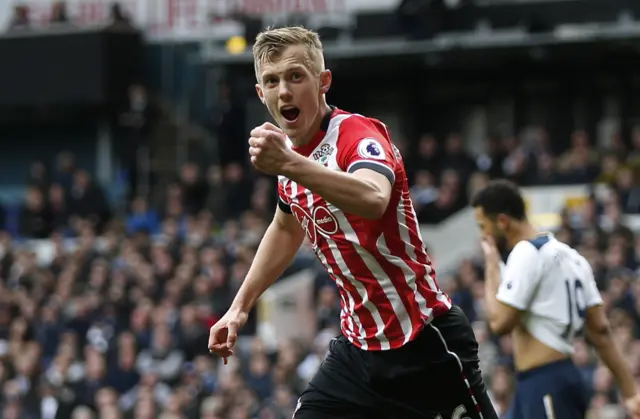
pixel 290 113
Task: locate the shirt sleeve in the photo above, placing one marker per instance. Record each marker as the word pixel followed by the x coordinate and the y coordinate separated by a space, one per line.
pixel 520 276
pixel 283 201
pixel 592 295
pixel 366 144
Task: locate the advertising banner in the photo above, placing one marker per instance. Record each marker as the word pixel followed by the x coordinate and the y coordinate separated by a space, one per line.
pixel 184 20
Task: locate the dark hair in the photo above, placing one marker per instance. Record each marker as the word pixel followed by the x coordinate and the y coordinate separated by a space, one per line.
pixel 501 197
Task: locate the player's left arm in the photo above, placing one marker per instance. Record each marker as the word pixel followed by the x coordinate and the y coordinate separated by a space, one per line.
pixel 598 334
pixel 508 293
pixel 364 188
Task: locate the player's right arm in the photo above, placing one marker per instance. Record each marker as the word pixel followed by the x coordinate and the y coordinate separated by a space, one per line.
pixel 599 335
pixel 508 294
pixel 276 251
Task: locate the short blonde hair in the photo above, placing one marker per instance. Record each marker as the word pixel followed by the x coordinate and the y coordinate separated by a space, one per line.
pixel 271 43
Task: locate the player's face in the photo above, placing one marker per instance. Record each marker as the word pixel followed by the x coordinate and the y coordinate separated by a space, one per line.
pixel 492 227
pixel 293 91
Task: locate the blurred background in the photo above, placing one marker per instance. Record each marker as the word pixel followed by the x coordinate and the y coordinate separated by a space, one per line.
pixel 129 215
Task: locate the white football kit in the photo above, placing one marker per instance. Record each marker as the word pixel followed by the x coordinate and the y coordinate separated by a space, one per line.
pixel 553 285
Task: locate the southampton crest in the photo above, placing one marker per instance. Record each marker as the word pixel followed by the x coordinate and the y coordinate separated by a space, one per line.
pixel 322 155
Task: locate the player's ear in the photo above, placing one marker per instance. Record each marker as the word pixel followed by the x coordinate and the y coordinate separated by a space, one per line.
pixel 502 222
pixel 260 93
pixel 325 81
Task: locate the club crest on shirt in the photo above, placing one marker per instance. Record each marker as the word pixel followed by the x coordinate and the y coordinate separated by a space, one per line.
pixel 370 148
pixel 322 155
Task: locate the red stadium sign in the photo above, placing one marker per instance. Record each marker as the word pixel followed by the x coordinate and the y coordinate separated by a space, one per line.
pixel 187 19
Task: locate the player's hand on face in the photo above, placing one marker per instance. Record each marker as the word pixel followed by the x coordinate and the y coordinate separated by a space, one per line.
pixel 268 149
pixel 223 334
pixel 490 250
pixel 633 406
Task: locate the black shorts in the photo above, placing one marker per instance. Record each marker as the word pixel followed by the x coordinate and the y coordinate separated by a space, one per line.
pixel 436 376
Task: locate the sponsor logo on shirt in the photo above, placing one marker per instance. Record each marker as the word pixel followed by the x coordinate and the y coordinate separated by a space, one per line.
pixel 321 221
pixel 369 148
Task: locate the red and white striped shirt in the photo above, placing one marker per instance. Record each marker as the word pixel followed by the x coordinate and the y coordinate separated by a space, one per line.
pixel 387 286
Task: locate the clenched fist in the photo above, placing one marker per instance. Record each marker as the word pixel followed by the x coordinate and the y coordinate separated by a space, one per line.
pixel 268 149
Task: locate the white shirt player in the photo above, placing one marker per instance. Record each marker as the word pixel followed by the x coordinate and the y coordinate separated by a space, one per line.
pixel 553 285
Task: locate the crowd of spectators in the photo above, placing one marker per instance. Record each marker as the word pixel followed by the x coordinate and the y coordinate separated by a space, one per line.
pixel 61 201
pixel 58 204
pixel 445 177
pixel 114 323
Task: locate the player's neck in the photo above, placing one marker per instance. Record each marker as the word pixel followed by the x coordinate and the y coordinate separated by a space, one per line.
pixel 524 231
pixel 317 124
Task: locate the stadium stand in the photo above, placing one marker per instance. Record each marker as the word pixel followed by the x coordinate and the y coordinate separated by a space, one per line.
pixel 110 276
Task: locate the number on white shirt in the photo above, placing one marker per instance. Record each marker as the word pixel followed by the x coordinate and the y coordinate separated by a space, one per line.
pixel 576 306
